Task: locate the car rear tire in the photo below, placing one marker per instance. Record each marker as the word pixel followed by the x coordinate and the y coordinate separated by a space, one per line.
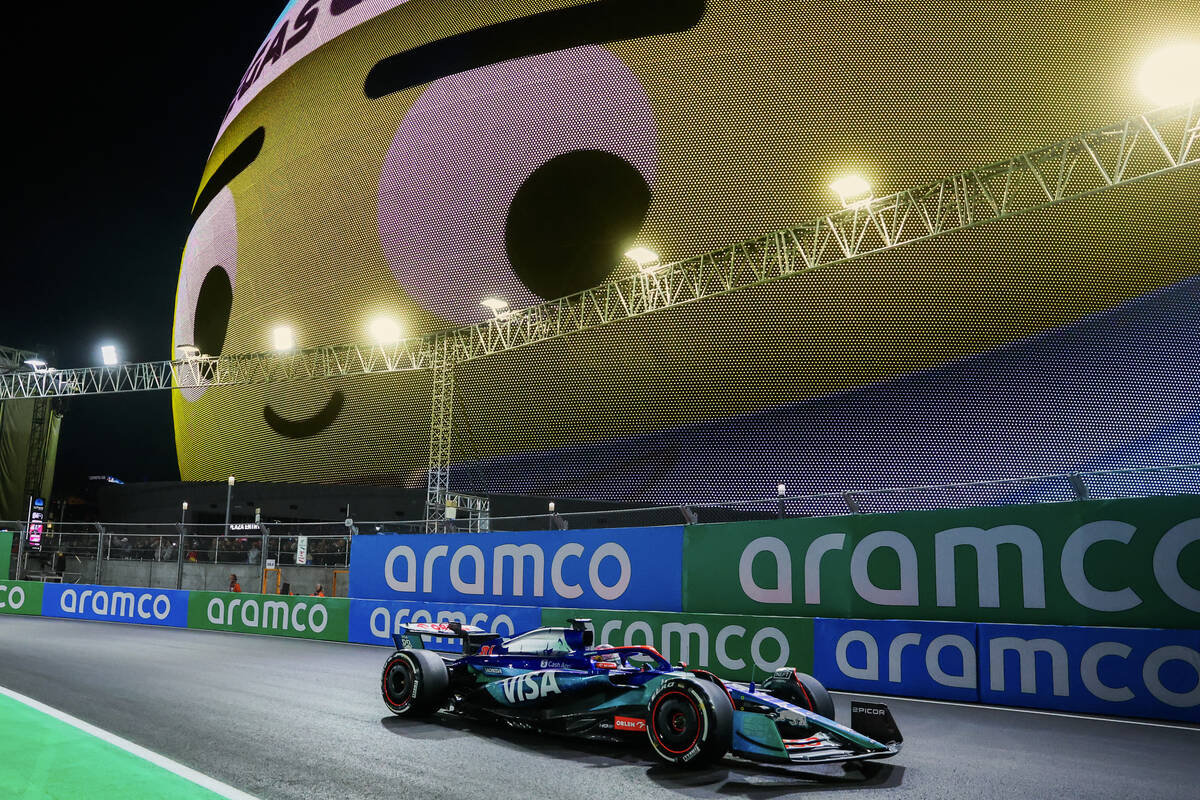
pixel 689 723
pixel 800 689
pixel 414 683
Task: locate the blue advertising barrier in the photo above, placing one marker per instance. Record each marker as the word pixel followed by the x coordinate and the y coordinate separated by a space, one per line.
pixel 630 568
pixel 1132 672
pixel 116 604
pixel 374 621
pixel 917 659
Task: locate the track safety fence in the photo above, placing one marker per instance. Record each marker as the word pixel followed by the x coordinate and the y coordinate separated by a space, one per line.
pixel 303 555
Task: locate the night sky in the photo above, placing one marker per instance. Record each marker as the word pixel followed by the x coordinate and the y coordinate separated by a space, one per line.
pixel 112 115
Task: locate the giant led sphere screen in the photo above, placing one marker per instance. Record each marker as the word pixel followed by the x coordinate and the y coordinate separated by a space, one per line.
pixel 404 161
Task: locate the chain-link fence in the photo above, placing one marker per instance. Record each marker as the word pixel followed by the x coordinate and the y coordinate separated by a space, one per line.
pixel 190 556
pixel 306 555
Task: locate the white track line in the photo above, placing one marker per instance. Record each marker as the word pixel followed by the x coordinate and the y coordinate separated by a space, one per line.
pixel 187 773
pixel 1042 711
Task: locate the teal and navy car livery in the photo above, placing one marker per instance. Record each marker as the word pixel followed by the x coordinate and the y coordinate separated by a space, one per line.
pixel 554 680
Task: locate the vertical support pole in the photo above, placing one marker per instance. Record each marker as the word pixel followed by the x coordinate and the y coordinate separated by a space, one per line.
pixel 262 558
pixel 1078 486
pixel 99 553
pixel 228 509
pixel 21 543
pixel 441 431
pixel 179 559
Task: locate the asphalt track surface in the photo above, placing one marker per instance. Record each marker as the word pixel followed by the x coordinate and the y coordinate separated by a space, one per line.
pixel 286 718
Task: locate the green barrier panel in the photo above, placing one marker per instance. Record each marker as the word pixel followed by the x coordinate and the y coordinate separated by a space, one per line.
pixel 6 540
pixel 1131 563
pixel 277 615
pixel 736 647
pixel 21 597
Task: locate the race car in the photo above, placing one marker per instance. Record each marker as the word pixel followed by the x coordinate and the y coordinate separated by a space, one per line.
pixel 556 680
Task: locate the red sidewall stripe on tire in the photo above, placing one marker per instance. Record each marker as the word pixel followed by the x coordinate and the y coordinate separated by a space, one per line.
pixel 387 689
pixel 654 721
pixel 812 701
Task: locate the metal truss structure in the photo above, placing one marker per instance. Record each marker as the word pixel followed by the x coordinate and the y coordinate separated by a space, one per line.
pixel 13 360
pixel 1118 155
pixel 441 433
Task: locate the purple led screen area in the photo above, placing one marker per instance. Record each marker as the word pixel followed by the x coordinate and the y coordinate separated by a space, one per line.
pixel 472 141
pixel 409 160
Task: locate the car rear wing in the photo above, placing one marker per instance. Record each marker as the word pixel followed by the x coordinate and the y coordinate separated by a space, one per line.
pixel 411 635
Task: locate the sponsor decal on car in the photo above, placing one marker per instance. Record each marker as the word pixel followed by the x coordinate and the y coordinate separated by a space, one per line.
pixel 629 724
pixel 529 687
pixel 375 621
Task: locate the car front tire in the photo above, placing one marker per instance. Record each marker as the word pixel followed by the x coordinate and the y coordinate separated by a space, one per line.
pixel 689 723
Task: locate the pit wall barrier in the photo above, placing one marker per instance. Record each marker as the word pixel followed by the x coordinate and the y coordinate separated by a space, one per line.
pixel 1133 563
pixel 1091 606
pixel 1135 672
pixel 605 568
pixel 1131 672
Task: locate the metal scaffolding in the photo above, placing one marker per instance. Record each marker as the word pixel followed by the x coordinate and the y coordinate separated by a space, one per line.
pixel 1133 150
pixel 441 433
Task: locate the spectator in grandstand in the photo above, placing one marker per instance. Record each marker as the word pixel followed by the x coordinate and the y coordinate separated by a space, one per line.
pixel 234 586
pixel 319 591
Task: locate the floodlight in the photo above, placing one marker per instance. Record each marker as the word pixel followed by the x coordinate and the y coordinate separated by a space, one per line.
pixel 185 505
pixel 36 364
pixel 1171 75
pixel 282 338
pixel 108 353
pixel 385 330
pixel 851 190
pixel 495 305
pixel 646 259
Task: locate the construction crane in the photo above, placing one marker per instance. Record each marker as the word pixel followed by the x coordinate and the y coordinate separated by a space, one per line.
pixel 1121 154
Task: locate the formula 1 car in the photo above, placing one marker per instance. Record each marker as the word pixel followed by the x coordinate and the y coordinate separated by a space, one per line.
pixel 554 680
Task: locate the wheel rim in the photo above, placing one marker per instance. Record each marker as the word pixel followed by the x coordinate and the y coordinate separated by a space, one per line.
pixel 397 684
pixel 675 722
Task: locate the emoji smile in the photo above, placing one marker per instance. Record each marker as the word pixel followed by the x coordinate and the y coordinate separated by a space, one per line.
pixel 310 426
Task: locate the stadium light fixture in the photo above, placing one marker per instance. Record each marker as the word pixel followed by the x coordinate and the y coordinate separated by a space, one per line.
pixel 1171 75
pixel 852 190
pixel 497 306
pixel 385 331
pixel 646 259
pixel 282 338
pixel 108 353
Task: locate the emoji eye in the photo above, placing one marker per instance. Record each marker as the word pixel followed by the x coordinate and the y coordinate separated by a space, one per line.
pixel 524 179
pixel 204 298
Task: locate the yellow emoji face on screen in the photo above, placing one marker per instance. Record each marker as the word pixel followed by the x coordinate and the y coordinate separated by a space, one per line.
pixel 386 165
